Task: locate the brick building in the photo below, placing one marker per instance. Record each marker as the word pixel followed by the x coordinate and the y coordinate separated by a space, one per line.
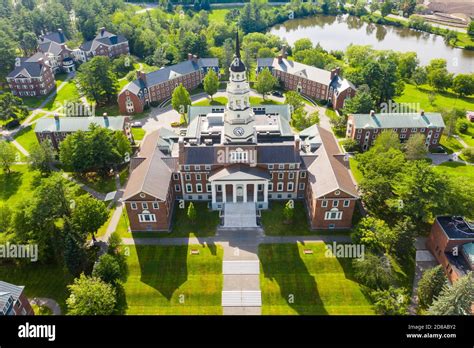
pixel 56 129
pixel 238 158
pixel 104 44
pixel 53 45
pixel 308 80
pixel 32 76
pixel 13 300
pixel 159 85
pixel 364 128
pixel 451 241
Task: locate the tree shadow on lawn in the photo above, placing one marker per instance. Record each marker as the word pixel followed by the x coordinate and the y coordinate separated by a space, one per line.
pixel 283 263
pixel 9 182
pixel 164 268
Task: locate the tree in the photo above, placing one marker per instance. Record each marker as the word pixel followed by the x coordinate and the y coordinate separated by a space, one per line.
pixel 265 83
pixel 419 76
pixel 89 214
pixel 450 118
pixel 386 140
pixel 192 213
pixel 107 269
pixel 468 153
pixel 407 64
pixel 440 79
pixel 470 29
pixel 449 36
pixel 393 301
pixel 211 83
pixel 41 156
pixel 12 107
pixel 289 211
pixel 75 254
pixel 29 42
pixel 455 300
pixel 5 217
pixel 180 99
pixel 361 103
pixel 302 44
pixel 430 285
pixel 404 238
pixel 7 52
pixel 97 80
pixel 373 271
pixel 91 296
pixel 386 8
pixel 415 147
pixel 463 84
pixel 294 99
pixel 373 233
pixel 7 155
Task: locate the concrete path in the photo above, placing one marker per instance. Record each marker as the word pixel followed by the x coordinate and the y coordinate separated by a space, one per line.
pixel 20 148
pixel 47 302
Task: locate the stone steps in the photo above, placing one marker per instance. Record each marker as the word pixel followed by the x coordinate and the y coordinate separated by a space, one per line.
pixel 241 267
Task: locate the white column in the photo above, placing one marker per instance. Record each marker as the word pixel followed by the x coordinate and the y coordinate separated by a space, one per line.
pixel 234 193
pixel 255 192
pixel 265 192
pixel 213 190
pixel 224 194
pixel 245 193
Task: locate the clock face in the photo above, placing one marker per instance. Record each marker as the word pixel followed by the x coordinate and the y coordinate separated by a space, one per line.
pixel 239 131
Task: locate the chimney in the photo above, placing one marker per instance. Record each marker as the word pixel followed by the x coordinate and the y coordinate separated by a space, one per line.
pixel 284 53
pixel 335 72
pixel 422 112
pixel 56 121
pixel 297 144
pixel 195 58
pixel 190 56
pixel 280 58
pixel 40 61
pixel 181 150
pixel 141 76
pixel 102 31
pixel 61 34
pixel 372 113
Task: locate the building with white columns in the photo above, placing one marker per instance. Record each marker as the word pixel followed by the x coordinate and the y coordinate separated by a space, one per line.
pixel 239 158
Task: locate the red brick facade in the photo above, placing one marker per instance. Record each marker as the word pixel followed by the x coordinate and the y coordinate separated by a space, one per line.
pixel 25 86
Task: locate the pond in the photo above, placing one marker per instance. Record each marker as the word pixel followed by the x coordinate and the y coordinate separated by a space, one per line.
pixel 338 32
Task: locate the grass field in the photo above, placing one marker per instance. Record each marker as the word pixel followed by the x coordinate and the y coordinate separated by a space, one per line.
pixel 17 185
pixel 274 223
pixel 450 144
pixel 355 170
pixel 96 182
pixel 27 138
pixel 455 169
pixel 443 100
pixel 293 282
pixel 468 137
pixel 208 102
pixel 168 280
pixel 39 280
pixel 138 133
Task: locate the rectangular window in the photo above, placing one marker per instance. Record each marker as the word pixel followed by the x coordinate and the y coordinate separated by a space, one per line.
pixel 177 188
pixel 280 186
pixel 413 129
pixel 335 202
pixel 133 205
pixel 197 167
pixel 186 168
pixel 291 175
pixel 324 203
pixel 270 166
pixel 144 205
pixel 291 166
pixel 403 136
pixel 333 215
pixel 270 186
pixel 303 175
pixel 280 176
pixel 302 185
pixel 207 167
pixel 189 188
pixel 175 176
pixel 208 187
pixel 156 205
pixel 346 203
pixel 281 166
pixel 198 177
pixel 147 217
pixel 198 188
pixel 290 186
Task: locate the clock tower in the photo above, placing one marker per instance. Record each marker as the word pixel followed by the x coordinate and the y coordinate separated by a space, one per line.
pixel 239 119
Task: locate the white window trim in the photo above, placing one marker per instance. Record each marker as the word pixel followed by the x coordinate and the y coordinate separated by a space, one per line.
pixel 346 203
pixel 335 203
pixel 280 187
pixel 144 205
pixel 156 205
pixel 133 205
pixel 143 217
pixel 333 215
pixel 324 203
pixel 198 188
pixel 290 186
pixel 189 188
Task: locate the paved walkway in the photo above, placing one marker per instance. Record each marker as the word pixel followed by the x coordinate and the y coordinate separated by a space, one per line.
pixel 47 302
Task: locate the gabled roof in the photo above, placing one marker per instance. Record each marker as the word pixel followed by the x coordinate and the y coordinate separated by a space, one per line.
pixel 239 172
pixel 399 120
pixel 30 67
pixel 8 290
pixel 152 176
pixel 327 173
pixel 103 38
pixel 74 124
pixel 57 37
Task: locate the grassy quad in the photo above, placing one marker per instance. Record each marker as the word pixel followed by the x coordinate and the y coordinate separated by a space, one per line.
pixel 456 169
pixel 17 185
pixel 27 138
pixel 318 285
pixel 168 280
pixel 468 137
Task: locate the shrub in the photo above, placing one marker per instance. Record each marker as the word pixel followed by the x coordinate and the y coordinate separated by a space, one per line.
pixel 463 125
pixel 351 145
pixel 468 153
pixel 155 103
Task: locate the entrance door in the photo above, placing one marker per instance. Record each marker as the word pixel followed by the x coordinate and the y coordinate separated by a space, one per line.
pixel 240 193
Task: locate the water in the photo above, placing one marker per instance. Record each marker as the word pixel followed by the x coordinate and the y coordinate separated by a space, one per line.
pixel 336 33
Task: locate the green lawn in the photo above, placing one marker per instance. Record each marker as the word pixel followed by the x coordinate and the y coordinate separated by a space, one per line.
pixel 27 138
pixel 354 165
pixel 443 100
pixel 40 280
pixel 308 284
pixel 138 133
pixel 274 223
pixel 450 144
pixel 260 101
pixel 456 169
pixel 208 102
pixel 38 115
pixel 218 15
pixel 468 137
pixel 168 280
pixel 17 185
pixel 96 182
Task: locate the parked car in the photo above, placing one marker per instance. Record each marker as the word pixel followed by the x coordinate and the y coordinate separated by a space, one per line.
pixel 277 94
pixel 136 124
